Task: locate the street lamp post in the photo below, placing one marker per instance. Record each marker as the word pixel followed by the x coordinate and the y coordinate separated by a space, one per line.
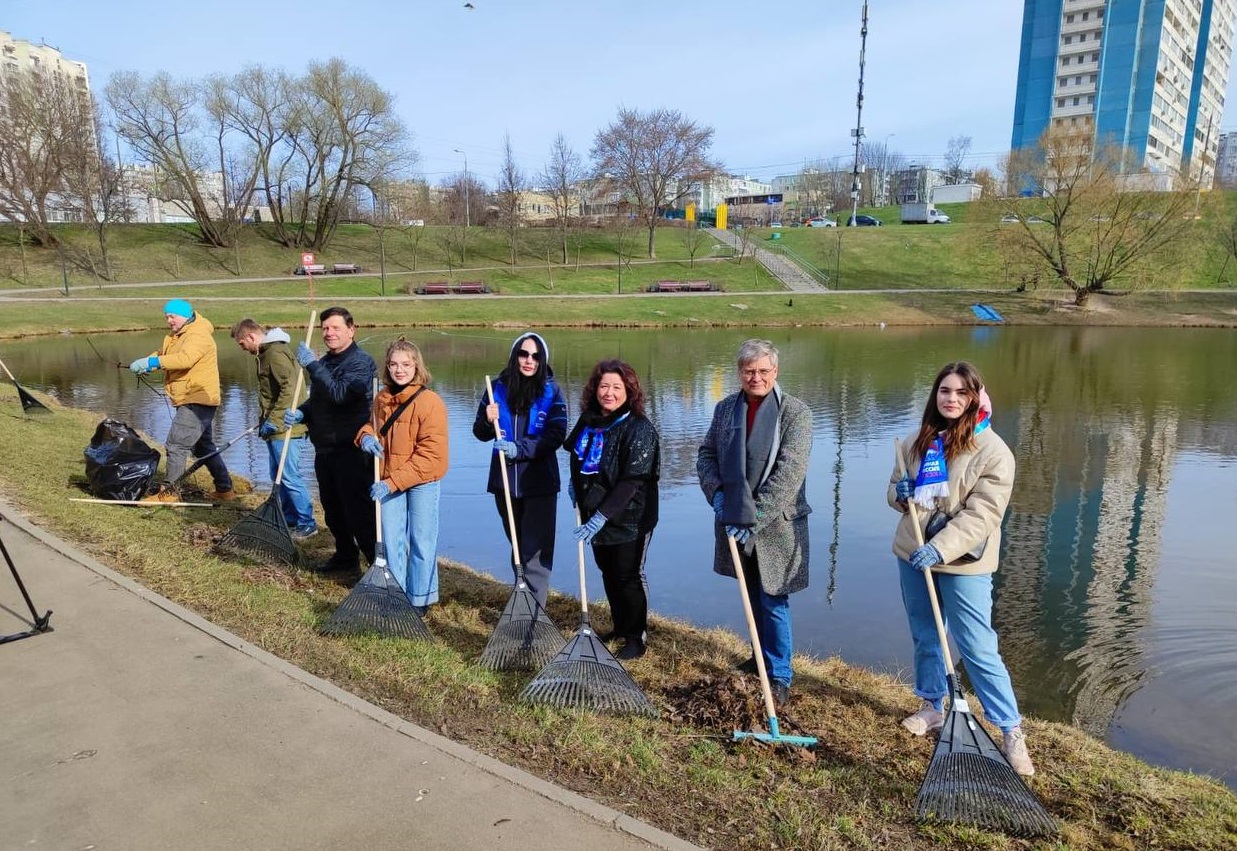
pixel 467 217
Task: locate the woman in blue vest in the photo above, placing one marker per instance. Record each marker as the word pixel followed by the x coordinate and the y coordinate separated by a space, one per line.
pixel 531 413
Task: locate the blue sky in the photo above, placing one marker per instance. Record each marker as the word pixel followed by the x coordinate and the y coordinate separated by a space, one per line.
pixel 776 80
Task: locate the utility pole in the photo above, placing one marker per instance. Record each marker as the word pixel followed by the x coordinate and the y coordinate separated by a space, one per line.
pixel 858 131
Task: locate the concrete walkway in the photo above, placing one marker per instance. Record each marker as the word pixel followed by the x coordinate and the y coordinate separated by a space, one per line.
pixel 136 724
pixel 794 278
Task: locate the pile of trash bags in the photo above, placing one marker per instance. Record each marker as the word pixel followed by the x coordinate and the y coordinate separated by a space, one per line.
pixel 119 464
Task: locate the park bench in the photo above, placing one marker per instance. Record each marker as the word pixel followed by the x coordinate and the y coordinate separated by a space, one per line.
pixel 698 286
pixel 435 288
pixel 666 287
pixel 315 269
pixel 471 288
pixel 345 269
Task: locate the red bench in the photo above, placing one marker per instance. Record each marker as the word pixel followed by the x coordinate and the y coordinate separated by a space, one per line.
pixel 666 287
pixel 698 286
pixel 434 288
pixel 470 288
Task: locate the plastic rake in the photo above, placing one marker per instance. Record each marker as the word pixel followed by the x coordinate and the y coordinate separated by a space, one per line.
pixel 969 780
pixel 524 638
pixel 584 674
pixel 264 534
pixel 377 603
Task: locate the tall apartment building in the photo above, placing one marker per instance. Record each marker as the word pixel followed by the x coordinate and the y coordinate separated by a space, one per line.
pixel 1147 75
pixel 1226 161
pixel 18 56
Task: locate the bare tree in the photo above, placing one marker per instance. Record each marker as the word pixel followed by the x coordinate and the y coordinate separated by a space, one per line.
pixel 693 239
pixel 46 125
pixel 648 156
pixel 93 184
pixel 510 194
pixel 1094 220
pixel 562 173
pixel 881 162
pixel 956 151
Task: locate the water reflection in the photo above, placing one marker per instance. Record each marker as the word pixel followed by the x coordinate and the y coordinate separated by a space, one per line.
pixel 1111 601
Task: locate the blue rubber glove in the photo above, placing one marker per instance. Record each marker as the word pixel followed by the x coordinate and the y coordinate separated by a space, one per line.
pixel 739 533
pixel 266 429
pixel 379 490
pixel 305 355
pixel 571 492
pixel 925 558
pixel 370 444
pixel 507 448
pixel 589 530
pixel 718 502
pixel 904 488
pixel 292 416
pixel 141 366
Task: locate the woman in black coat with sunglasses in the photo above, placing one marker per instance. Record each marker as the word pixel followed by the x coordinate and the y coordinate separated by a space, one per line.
pixel 531 412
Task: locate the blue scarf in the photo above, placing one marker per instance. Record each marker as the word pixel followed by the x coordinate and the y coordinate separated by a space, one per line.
pixel 591 443
pixel 537 414
pixel 933 479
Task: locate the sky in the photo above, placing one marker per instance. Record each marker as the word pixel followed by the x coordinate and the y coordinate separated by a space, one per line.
pixel 777 81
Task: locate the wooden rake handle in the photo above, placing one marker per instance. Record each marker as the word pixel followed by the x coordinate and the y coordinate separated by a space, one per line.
pixel 927 574
pixel 296 396
pixel 377 468
pixel 502 469
pixel 580 549
pixel 757 652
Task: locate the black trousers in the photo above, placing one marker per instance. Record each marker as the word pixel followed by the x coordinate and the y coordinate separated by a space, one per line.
pixel 344 476
pixel 627 588
pixel 535 522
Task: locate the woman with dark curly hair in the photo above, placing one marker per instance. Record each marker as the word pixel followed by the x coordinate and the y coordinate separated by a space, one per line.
pixel 531 412
pixel 615 457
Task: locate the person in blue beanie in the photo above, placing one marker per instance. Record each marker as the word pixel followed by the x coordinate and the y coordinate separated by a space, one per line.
pixel 190 364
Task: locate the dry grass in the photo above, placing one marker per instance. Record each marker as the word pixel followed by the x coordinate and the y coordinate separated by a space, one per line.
pixel 855 791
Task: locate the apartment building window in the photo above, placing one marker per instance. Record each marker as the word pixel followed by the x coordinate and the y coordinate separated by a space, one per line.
pixel 1092 80
pixel 1069 39
pixel 1061 102
pixel 1085 15
pixel 1064 60
pixel 1078 80
pixel 1082 37
pixel 1069 19
pixel 1095 57
pixel 1090 99
pixel 1063 81
pixel 1077 101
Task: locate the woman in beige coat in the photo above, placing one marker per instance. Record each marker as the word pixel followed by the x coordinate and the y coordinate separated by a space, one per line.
pixel 961 478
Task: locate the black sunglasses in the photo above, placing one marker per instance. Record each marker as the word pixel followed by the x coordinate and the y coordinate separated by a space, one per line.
pixel 524 353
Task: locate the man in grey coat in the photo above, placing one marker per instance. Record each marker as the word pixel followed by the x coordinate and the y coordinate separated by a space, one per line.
pixel 753 470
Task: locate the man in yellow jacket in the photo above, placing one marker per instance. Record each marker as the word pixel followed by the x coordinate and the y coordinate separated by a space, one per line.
pixel 190 362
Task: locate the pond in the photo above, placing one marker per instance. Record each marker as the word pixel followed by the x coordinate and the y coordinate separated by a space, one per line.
pixel 1115 594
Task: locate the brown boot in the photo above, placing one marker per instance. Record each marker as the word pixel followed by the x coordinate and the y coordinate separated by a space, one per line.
pixel 164 494
pixel 222 496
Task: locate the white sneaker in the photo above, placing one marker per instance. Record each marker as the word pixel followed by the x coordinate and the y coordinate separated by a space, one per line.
pixel 925 720
pixel 1014 746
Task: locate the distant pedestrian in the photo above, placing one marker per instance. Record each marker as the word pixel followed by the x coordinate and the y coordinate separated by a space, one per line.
pixel 340 396
pixel 530 410
pixel 962 477
pixel 277 371
pixel 190 363
pixel 753 470
pixel 615 457
pixel 412 441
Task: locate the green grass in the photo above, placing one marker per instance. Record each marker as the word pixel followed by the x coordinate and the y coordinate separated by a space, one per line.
pixel 856 790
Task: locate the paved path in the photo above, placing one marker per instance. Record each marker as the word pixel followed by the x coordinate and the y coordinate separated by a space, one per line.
pixel 779 267
pixel 135 724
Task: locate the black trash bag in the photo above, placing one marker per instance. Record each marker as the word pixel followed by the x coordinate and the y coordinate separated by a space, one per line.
pixel 119 464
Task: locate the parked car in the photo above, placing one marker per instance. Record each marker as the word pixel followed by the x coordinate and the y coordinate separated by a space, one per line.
pixel 775 224
pixel 863 221
pixel 821 222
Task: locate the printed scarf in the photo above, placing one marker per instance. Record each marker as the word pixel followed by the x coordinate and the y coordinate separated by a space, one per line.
pixel 591 443
pixel 932 482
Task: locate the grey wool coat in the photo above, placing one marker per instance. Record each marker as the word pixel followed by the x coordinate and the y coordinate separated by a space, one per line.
pixel 780 535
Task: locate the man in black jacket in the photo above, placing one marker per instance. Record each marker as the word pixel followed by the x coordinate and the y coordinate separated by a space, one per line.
pixel 340 399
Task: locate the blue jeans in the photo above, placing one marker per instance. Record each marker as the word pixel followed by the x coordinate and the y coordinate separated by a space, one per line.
pixel 410 535
pixel 772 614
pixel 966 609
pixel 298 507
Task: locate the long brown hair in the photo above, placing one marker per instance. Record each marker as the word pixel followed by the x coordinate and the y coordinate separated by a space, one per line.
pixel 635 395
pixel 959 434
pixel 420 372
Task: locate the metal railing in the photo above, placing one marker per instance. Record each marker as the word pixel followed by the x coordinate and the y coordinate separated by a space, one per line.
pixel 813 271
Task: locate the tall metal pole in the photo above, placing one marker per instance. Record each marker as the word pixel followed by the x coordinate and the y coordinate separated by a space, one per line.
pixel 467 218
pixel 858 131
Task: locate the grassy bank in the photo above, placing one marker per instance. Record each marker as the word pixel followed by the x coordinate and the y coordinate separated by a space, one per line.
pixel 856 791
pixel 288 305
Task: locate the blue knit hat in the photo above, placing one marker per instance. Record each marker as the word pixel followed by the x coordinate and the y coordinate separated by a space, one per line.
pixel 179 307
